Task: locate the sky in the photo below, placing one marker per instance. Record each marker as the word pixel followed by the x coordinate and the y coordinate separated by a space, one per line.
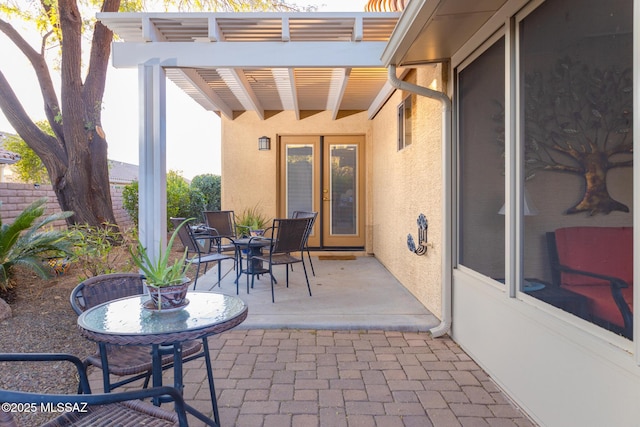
pixel 193 134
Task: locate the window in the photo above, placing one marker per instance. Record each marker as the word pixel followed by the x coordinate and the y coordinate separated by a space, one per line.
pixel 404 123
pixel 575 85
pixel 481 157
pixel 568 156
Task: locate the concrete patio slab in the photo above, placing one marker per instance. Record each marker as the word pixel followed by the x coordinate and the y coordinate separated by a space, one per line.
pixel 346 295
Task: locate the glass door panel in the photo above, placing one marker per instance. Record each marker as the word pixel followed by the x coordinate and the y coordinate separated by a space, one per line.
pixel 299 193
pixel 300 178
pixel 343 189
pixel 343 201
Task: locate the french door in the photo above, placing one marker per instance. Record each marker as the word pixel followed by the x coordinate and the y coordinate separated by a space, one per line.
pixel 325 174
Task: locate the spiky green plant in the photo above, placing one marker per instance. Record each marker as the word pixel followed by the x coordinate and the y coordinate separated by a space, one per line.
pixel 24 243
pixel 161 272
pixel 251 219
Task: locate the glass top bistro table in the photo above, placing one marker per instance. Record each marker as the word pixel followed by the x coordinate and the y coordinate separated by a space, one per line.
pixel 126 322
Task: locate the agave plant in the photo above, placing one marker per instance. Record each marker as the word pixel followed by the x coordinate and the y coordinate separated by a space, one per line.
pixel 25 242
pixel 161 272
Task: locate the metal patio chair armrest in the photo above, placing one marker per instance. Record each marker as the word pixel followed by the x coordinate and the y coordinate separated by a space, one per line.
pixel 80 366
pixel 88 408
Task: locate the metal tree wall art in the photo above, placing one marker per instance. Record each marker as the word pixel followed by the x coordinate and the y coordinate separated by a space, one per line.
pixel 579 121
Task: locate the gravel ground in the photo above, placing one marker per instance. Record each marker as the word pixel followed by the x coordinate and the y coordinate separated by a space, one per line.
pixel 42 321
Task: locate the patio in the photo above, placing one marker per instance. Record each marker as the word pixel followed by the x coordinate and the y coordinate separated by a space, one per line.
pixel 356 353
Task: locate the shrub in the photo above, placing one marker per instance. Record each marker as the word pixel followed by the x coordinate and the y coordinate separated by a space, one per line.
pixel 182 200
pixel 130 200
pixel 209 186
pixel 27 242
pixel 98 250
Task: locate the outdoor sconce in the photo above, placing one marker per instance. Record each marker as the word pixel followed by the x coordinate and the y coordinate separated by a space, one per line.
pixel 423 245
pixel 264 143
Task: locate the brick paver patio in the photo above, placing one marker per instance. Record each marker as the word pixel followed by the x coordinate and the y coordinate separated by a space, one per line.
pixel 313 378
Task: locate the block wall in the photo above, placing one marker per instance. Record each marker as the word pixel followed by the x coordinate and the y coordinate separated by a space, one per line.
pixel 15 197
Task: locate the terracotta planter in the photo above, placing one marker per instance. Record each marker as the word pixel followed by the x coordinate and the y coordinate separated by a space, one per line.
pixel 168 298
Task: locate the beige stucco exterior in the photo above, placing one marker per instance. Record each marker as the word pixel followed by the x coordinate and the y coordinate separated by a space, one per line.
pixel 399 184
pixel 405 184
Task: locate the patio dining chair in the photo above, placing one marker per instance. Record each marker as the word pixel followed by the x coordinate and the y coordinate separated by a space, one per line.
pixel 197 254
pixel 288 237
pixel 86 409
pixel 313 216
pixel 223 222
pixel 131 362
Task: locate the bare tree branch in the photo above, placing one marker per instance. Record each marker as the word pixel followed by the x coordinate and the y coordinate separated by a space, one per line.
pixel 39 64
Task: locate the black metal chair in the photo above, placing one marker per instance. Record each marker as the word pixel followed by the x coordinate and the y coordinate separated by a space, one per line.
pixel 131 361
pixel 197 254
pixel 122 409
pixel 313 216
pixel 288 237
pixel 223 222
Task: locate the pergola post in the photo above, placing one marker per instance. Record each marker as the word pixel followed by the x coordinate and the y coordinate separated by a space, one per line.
pixel 152 186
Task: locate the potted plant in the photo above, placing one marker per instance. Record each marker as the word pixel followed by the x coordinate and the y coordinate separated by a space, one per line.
pixel 252 222
pixel 165 280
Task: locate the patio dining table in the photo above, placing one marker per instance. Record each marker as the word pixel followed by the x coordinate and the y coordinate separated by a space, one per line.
pixel 125 321
pixel 252 246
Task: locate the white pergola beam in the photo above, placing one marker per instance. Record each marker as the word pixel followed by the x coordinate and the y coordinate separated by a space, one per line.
pixel 286 31
pixel 238 83
pixel 339 80
pixel 286 85
pixel 358 29
pixel 214 32
pixel 150 32
pixel 217 104
pixel 251 54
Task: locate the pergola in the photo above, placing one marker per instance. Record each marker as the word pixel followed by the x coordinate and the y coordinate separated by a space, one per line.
pixel 231 63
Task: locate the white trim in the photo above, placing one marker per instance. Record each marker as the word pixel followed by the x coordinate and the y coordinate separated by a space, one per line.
pixel 250 54
pixel 487 31
pixel 415 17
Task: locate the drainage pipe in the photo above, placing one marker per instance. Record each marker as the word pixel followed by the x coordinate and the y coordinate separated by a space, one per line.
pixel 447 263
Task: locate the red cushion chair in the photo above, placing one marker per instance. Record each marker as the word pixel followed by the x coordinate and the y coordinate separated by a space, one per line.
pixel 597 262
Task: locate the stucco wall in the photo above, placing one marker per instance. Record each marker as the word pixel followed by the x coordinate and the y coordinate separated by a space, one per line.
pixel 400 184
pixel 405 184
pixel 249 176
pixel 15 197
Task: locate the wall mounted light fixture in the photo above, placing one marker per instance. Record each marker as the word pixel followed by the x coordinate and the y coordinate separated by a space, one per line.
pixel 423 245
pixel 264 143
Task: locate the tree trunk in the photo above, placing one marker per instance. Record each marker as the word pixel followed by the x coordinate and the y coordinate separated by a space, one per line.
pixel 76 156
pixel 84 186
pixel 596 198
